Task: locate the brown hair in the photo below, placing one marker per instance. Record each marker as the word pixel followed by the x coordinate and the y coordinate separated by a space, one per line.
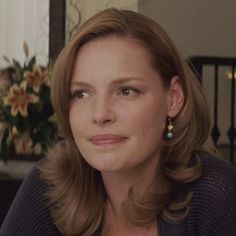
pixel 76 193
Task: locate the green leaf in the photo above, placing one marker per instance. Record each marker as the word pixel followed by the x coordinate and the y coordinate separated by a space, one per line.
pixel 12 120
pixel 32 62
pixel 26 49
pixel 5 148
pixel 7 59
pixel 16 63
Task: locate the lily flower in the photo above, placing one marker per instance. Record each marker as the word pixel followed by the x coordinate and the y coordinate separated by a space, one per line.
pixel 19 99
pixel 36 78
pixel 38 149
pixel 14 132
pixel 23 144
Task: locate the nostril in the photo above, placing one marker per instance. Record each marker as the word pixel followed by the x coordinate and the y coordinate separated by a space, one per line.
pixel 102 112
pixel 102 120
pixel 107 121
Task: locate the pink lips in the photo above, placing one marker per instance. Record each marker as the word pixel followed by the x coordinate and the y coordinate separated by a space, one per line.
pixel 107 139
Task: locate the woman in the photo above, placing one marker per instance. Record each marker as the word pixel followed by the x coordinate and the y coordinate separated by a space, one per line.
pixel 133 121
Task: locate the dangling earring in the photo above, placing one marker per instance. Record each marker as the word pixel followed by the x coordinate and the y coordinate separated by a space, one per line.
pixel 170 127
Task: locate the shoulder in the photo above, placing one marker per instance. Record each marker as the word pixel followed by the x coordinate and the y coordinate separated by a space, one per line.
pixel 29 213
pixel 217 185
pixel 213 206
pixel 218 176
pixel 212 210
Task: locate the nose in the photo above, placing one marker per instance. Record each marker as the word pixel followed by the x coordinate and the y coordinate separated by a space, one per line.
pixel 103 112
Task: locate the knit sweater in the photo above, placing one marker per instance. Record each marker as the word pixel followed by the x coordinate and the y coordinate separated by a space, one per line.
pixel 212 209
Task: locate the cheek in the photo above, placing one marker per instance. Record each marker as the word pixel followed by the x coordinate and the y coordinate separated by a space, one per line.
pixel 151 133
pixel 75 119
pixel 154 124
pixel 149 118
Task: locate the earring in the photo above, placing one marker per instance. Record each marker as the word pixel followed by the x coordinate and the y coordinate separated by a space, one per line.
pixel 170 127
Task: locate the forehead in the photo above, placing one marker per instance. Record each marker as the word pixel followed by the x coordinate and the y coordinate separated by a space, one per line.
pixel 116 43
pixel 113 54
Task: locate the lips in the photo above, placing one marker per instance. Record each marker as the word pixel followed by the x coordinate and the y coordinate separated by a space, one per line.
pixel 107 139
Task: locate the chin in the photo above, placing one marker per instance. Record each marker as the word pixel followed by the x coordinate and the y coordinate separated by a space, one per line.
pixel 108 166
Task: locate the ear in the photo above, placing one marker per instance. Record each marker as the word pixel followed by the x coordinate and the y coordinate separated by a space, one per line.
pixel 176 97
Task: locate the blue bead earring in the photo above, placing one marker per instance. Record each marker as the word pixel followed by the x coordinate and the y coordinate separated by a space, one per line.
pixel 170 127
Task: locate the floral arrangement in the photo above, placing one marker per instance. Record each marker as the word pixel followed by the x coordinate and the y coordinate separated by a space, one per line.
pixel 27 119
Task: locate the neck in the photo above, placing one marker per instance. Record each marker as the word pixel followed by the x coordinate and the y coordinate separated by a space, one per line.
pixel 116 226
pixel 142 179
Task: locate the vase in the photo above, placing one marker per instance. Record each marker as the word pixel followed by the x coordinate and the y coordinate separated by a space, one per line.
pixel 14 169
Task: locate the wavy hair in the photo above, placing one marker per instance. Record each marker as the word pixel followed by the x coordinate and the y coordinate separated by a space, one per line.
pixel 76 193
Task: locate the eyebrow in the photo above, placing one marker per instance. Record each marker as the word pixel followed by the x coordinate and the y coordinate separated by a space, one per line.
pixel 127 79
pixel 115 82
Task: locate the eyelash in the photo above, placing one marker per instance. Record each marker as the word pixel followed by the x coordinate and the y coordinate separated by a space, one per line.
pixel 128 88
pixel 77 94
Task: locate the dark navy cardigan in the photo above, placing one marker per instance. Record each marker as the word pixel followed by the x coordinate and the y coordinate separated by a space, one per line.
pixel 212 209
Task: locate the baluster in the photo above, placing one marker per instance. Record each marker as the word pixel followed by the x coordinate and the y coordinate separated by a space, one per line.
pixel 215 133
pixel 232 131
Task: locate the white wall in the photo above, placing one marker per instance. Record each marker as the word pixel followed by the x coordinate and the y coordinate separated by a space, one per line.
pixel 24 20
pixel 198 27
pixel 90 7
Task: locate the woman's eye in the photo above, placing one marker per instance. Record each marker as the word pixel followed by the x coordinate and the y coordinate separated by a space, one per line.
pixel 80 94
pixel 129 91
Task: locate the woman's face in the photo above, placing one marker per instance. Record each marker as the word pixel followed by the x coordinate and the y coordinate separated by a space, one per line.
pixel 118 105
